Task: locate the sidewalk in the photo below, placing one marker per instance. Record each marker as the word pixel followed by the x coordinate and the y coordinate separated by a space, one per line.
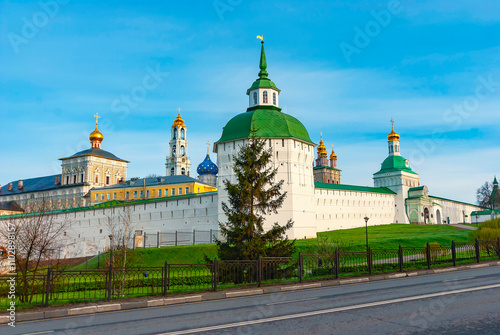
pixel 41 313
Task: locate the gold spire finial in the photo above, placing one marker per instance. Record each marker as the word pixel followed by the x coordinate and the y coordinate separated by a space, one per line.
pixel 321 147
pixel 178 122
pixel 97 117
pixel 261 37
pixel 333 155
pixel 392 123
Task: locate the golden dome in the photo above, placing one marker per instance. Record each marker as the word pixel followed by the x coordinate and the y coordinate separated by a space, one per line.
pixel 179 122
pixel 96 136
pixel 322 147
pixel 393 136
pixel 333 155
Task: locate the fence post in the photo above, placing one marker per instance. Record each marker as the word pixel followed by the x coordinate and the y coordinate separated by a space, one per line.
pixel 301 266
pixel 165 280
pixel 110 279
pixel 428 255
pixel 210 235
pixel 498 247
pixel 369 260
pixel 400 258
pixel 476 246
pixel 98 254
pixel 454 253
pixel 215 268
pixel 157 239
pixel 259 271
pixel 47 288
pixel 176 238
pixel 194 236
pixel 337 265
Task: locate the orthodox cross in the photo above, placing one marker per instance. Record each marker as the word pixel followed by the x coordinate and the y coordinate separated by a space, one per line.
pixel 96 118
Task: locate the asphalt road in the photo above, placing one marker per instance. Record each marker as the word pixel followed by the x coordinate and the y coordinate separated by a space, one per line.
pixel 466 302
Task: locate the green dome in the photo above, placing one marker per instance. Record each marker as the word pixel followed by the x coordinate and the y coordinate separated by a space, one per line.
pixel 395 163
pixel 269 122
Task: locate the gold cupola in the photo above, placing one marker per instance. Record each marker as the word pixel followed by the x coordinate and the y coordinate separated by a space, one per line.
pixel 333 155
pixel 393 136
pixel 96 136
pixel 179 122
pixel 322 148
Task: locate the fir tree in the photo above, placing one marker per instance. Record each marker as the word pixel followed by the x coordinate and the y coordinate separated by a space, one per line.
pixel 254 195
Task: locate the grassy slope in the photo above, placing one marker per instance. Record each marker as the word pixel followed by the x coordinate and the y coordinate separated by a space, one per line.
pixel 386 236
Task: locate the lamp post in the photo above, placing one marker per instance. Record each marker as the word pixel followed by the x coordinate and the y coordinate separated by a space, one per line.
pixel 366 222
pixel 110 249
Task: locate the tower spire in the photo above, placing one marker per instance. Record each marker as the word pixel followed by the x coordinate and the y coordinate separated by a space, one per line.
pixel 262 64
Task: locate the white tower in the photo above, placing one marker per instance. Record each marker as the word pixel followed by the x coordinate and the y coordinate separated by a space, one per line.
pixel 178 162
pixel 292 154
pixel 397 175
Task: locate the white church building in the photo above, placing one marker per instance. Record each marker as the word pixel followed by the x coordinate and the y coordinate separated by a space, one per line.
pixel 316 199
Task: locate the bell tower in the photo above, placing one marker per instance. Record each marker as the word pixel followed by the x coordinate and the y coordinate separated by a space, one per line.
pixel 178 162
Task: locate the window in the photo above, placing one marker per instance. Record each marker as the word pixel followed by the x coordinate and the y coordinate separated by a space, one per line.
pixel 127 195
pixel 182 133
pixel 264 97
pixel 254 98
pixel 142 194
pixel 67 180
pixel 96 197
pixel 175 133
pixel 182 150
pixel 100 231
pixel 274 99
pixel 81 178
pixel 96 179
pixel 269 143
pixel 173 191
pixel 159 193
pixel 102 196
pixel 166 192
pixel 172 171
pixel 108 196
pixel 107 180
pixel 135 194
pixel 180 190
pixel 114 196
pixel 283 142
pixel 187 190
pixel 183 171
pixel 74 179
pixel 147 194
pixel 174 148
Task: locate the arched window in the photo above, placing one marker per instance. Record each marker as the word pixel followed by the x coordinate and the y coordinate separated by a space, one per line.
pixel 254 98
pixel 175 133
pixel 172 171
pixel 183 171
pixel 182 133
pixel 182 150
pixel 274 98
pixel 264 97
pixel 174 149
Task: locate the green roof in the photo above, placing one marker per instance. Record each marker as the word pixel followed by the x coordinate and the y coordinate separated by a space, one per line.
pixel 345 187
pixel 394 163
pixel 262 83
pixel 269 121
pixel 460 202
pixel 485 212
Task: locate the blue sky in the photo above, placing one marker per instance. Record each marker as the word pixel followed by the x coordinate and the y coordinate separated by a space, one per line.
pixel 433 66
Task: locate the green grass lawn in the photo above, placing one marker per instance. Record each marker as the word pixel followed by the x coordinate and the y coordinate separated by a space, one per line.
pixel 383 237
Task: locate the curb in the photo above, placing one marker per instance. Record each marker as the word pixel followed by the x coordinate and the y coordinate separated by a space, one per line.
pixel 96 308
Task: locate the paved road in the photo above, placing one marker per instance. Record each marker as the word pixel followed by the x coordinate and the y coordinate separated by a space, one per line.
pixel 465 302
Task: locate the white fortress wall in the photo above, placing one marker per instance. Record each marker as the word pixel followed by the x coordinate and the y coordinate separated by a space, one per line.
pixel 343 209
pixel 458 212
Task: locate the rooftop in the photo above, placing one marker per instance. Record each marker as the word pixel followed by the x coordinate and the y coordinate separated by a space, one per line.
pixel 344 187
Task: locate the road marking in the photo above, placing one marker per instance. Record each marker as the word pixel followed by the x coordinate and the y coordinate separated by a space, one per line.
pixel 284 302
pixel 45 332
pixel 330 310
pixel 457 279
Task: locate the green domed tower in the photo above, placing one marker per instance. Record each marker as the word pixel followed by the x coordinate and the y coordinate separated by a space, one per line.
pixel 289 141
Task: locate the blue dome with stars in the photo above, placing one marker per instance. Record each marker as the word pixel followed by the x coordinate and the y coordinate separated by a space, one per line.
pixel 207 167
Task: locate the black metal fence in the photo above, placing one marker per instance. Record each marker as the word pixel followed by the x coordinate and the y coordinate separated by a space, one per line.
pixel 175 238
pixel 54 287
